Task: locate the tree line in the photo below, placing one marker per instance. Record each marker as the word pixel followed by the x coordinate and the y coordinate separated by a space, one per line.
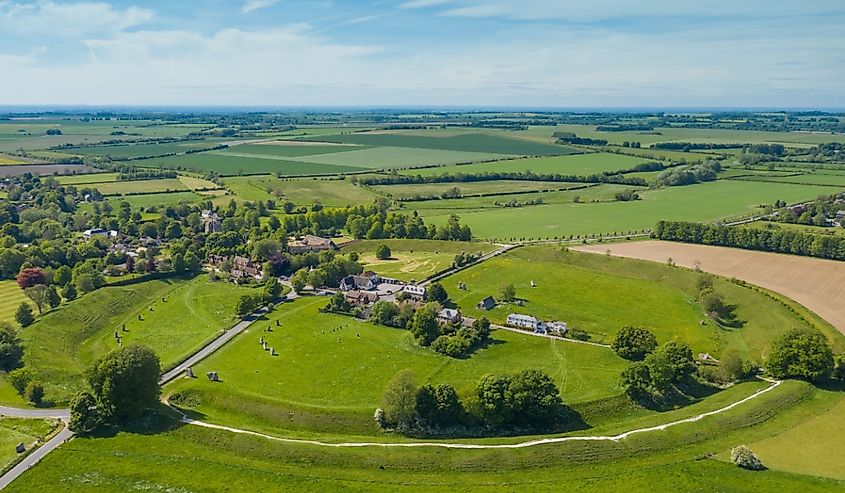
pixel 779 241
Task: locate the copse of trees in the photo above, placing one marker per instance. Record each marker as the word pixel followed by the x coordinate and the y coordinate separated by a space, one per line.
pixel 528 401
pixel 688 175
pixel 464 340
pixel 124 383
pixel 801 353
pixel 659 372
pixel 780 241
pixel 616 177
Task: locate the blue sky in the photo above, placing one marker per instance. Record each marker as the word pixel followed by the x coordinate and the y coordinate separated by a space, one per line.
pixel 527 53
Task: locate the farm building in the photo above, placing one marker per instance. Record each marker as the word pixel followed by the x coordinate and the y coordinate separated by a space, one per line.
pixel 361 282
pixel 558 328
pixel 311 243
pixel 90 233
pixel 414 292
pixel 526 322
pixel 449 316
pixel 360 298
pixel 486 304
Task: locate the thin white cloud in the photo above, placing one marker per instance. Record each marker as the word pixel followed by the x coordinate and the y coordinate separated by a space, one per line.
pixel 422 4
pixel 253 5
pixel 69 19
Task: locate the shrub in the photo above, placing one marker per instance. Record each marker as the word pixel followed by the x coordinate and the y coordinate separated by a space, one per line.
pixel 743 457
pixel 24 316
pixel 634 343
pixel 34 392
pixel 383 252
pixel 11 350
pixel 20 378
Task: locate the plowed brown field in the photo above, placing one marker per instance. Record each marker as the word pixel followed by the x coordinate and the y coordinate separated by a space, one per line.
pixel 815 283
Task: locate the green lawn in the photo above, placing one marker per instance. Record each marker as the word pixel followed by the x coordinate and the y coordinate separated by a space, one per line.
pixel 27 431
pixel 64 342
pixel 602 294
pixel 159 199
pixel 300 191
pixel 577 164
pixel 332 369
pixel 414 259
pixel 702 202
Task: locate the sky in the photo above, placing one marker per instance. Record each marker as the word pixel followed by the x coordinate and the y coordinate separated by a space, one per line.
pixel 392 53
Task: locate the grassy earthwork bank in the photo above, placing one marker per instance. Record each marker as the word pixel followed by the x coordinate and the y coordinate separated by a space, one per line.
pixel 601 294
pixel 172 316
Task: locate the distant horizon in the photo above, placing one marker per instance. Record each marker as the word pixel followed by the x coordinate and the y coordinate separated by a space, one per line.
pixel 605 54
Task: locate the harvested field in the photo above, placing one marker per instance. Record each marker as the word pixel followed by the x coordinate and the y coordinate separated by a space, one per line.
pixel 815 283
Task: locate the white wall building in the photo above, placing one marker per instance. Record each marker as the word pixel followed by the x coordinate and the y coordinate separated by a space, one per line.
pixel 526 322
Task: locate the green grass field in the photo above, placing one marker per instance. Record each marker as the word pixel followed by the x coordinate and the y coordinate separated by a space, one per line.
pixel 233 165
pixel 118 152
pixel 159 199
pixel 167 457
pixel 414 259
pixel 577 164
pixel 80 181
pixel 400 157
pixel 302 191
pixel 27 431
pixel 288 149
pixel 490 142
pixel 140 186
pixel 64 342
pixel 354 361
pixel 472 188
pixel 11 296
pixel 602 294
pixel 702 202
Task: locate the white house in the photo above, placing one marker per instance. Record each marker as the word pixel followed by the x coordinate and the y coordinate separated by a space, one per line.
pixel 449 316
pixel 526 322
pixel 414 292
pixel 557 327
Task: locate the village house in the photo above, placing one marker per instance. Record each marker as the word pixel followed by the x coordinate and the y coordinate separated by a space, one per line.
pixel 558 328
pixel 486 304
pixel 311 243
pixel 361 282
pixel 244 267
pixel 449 316
pixel 526 322
pixel 414 292
pixel 360 298
pixel 211 222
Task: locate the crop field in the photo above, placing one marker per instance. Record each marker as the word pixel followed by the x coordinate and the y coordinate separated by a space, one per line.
pixel 577 164
pixel 356 359
pixel 171 316
pixel 159 199
pixel 413 260
pixel 194 183
pixel 602 294
pixel 126 151
pixel 470 142
pixel 472 188
pixel 27 431
pixel 300 191
pixel 814 283
pixel 140 186
pixel 702 202
pixel 400 157
pixel 832 180
pixel 11 296
pixel 287 148
pixel 80 180
pixel 232 165
pixel 6 160
pixel 714 135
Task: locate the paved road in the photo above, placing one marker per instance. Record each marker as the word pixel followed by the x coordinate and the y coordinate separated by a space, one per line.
pixel 14 412
pixel 33 458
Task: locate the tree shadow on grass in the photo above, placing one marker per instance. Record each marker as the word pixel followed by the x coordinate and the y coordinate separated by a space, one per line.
pixel 677 396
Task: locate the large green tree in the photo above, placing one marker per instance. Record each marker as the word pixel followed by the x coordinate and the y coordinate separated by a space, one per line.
pixel 424 325
pixel 11 350
pixel 634 343
pixel 399 399
pixel 801 353
pixel 126 382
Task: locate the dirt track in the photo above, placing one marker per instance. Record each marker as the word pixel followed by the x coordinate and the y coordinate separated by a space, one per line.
pixel 815 283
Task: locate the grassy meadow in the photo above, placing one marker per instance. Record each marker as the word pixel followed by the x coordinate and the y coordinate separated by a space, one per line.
pixel 413 260
pixel 300 191
pixel 27 431
pixel 576 164
pixel 172 316
pixel 602 294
